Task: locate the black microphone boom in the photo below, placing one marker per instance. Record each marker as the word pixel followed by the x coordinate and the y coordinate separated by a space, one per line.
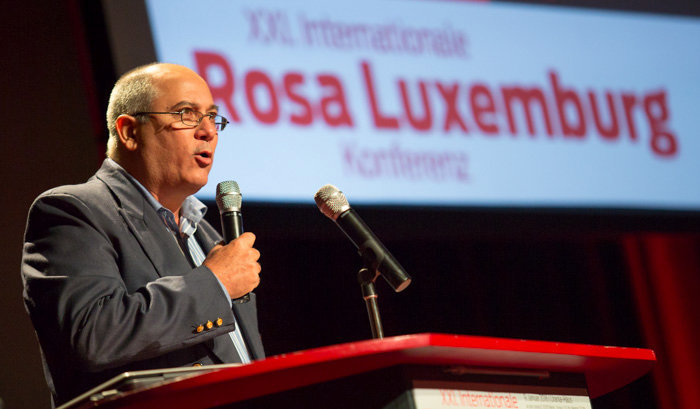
pixel 332 202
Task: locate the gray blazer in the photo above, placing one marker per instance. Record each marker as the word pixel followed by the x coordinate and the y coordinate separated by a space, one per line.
pixel 109 290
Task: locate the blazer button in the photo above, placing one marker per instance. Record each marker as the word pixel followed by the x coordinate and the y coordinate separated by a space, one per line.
pixel 219 322
pixel 200 328
pixel 209 324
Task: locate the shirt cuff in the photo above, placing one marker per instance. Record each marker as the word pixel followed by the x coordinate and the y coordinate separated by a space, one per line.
pixel 226 294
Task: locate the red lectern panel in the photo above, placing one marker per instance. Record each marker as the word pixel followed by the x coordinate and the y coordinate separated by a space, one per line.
pixel 605 368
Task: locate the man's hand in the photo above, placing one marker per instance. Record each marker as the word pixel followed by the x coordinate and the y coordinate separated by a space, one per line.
pixel 236 265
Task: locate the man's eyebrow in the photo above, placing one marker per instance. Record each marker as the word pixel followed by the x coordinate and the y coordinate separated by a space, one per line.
pixel 212 107
pixel 182 104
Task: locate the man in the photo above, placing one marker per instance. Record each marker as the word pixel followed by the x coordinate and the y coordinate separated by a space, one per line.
pixel 114 269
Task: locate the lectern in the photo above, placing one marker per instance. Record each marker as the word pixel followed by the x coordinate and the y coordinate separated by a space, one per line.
pixel 429 371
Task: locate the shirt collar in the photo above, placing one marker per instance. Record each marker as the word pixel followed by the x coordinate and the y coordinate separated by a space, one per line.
pixel 191 212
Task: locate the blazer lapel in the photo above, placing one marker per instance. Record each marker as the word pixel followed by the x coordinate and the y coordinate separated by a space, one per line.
pixel 207 237
pixel 157 242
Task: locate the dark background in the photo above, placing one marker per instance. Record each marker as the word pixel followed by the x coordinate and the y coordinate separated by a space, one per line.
pixel 532 274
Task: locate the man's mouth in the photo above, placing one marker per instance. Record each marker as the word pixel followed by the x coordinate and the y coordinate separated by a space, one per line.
pixel 204 157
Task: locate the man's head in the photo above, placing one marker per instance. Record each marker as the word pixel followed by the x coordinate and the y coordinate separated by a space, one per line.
pixel 170 158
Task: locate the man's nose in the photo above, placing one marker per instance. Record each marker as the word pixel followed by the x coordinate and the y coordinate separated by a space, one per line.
pixel 206 130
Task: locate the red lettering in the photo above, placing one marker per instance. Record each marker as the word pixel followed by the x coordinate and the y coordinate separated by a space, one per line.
pixel 483 108
pixel 526 97
pixel 663 142
pixel 628 102
pixel 449 398
pixel 267 26
pixel 577 113
pixel 449 95
pixel 445 396
pixel 305 117
pixel 562 98
pixel 421 124
pixel 224 92
pixel 380 120
pixel 612 131
pixel 398 163
pixel 257 79
pixel 335 98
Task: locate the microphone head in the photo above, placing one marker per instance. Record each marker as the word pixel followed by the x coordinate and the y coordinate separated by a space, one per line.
pixel 331 201
pixel 228 196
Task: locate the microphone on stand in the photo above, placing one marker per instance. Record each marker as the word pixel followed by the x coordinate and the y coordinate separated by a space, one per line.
pixel 332 203
pixel 229 200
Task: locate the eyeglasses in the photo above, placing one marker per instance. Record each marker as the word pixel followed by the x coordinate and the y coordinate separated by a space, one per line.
pixel 190 117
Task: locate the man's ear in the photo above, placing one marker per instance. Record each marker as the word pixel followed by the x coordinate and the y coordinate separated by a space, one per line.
pixel 127 127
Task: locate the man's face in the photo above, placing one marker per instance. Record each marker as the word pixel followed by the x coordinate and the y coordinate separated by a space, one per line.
pixel 178 157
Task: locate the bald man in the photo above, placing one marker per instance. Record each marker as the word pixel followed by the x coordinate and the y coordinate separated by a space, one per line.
pixel 122 272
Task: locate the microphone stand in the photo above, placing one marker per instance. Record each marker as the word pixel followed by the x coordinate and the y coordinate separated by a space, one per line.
pixel 369 293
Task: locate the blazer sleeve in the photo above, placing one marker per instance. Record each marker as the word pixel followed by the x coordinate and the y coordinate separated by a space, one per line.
pixel 74 275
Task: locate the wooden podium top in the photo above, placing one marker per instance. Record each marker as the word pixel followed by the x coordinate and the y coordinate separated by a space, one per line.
pixel 605 368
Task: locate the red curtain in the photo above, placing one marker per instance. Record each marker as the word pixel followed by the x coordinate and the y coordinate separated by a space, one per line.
pixel 665 276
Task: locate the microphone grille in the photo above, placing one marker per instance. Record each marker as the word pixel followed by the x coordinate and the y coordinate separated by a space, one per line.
pixel 331 201
pixel 228 196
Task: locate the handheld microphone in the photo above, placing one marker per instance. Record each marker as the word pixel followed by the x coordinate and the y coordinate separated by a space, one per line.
pixel 229 200
pixel 332 203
